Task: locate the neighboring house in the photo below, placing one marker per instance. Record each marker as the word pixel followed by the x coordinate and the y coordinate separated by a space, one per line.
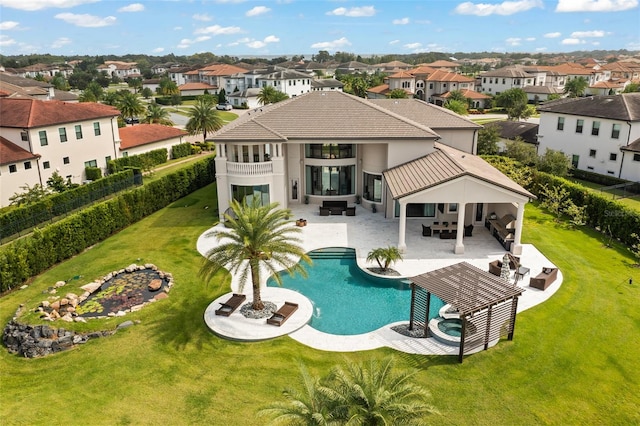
pixel 476 100
pixel 353 67
pixel 443 65
pixel 151 83
pixel 196 89
pixel 326 85
pixel 607 88
pixel 392 154
pixel 500 80
pixel 215 75
pixel 147 137
pixel 440 82
pixel 18 168
pixel 511 130
pixel 246 96
pixel 60 136
pixel 596 132
pixel 45 70
pixel 537 94
pixel 20 87
pixel 120 69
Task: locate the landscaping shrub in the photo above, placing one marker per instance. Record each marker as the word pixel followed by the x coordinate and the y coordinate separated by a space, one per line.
pixel 181 150
pixel 24 217
pixel 604 180
pixel 93 173
pixel 144 161
pixel 29 256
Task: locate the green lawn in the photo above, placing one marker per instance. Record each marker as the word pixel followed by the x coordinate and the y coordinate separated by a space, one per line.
pixel 632 202
pixel 573 360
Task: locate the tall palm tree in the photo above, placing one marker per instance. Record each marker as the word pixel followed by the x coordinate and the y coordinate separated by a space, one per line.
pixel 257 237
pixel 203 117
pixel 311 406
pixel 168 87
pixel 266 94
pixel 130 105
pixel 576 87
pixel 157 115
pixel 374 394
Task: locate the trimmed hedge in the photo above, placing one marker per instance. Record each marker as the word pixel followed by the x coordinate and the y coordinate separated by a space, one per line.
pixel 25 217
pixel 26 257
pixel 93 173
pixel 181 150
pixel 141 161
pixel 604 180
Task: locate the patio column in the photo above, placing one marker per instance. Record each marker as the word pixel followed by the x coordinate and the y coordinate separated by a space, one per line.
pixel 517 247
pixel 459 249
pixel 402 246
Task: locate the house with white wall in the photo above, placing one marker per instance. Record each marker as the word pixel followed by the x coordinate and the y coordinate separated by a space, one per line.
pixel 596 132
pixel 143 138
pixel 61 137
pixel 405 159
pixel 500 80
pixel 120 69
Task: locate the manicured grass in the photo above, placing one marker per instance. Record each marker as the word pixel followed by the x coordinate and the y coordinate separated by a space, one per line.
pixel 632 202
pixel 573 360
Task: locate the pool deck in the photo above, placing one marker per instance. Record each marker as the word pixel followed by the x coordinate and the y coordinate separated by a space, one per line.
pixel 364 232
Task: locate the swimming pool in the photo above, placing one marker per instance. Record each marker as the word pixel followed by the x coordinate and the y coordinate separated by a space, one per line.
pixel 347 300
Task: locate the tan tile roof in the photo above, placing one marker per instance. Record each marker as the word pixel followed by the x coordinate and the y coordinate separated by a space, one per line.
pixel 442 64
pixel 441 75
pixel 443 165
pixel 382 89
pixel 142 134
pixel 12 153
pixel 422 70
pixel 324 116
pixel 427 114
pixel 196 86
pixel 402 74
pixel 471 94
pixel 27 113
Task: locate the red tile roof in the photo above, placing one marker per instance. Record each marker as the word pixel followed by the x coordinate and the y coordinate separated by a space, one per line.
pixel 12 153
pixel 468 94
pixel 28 113
pixel 441 75
pixel 142 134
pixel 196 86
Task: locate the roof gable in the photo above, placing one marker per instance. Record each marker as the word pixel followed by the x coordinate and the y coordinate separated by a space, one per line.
pixel 12 153
pixel 427 114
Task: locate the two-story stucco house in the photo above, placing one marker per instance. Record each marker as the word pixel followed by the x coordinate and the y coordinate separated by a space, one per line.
pixel 597 132
pixel 402 158
pixel 48 136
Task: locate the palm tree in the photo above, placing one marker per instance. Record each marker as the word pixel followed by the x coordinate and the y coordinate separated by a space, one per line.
pixel 130 105
pixel 157 115
pixel 376 395
pixel 257 237
pixel 384 256
pixel 203 117
pixel 311 406
pixel 168 87
pixel 576 87
pixel 266 95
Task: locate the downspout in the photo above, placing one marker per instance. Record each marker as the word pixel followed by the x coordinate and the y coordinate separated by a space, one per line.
pixel 623 152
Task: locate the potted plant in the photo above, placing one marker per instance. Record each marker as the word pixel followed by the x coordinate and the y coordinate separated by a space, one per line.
pixel 306 199
pixel 357 199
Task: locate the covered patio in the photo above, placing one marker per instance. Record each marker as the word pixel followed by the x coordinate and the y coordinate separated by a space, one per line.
pixel 486 304
pixel 466 184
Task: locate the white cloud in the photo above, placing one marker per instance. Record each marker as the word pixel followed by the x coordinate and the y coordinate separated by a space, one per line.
pixel 86 20
pixel 530 39
pixel 258 10
pixel 133 7
pixel 256 44
pixel 186 42
pixel 332 45
pixel 8 25
pixel 177 28
pixel 595 5
pixel 553 35
pixel 158 50
pixel 271 39
pixel 572 41
pixel 218 30
pixel 5 40
pixel 403 21
pixel 412 45
pixel 504 8
pixel 541 49
pixel 62 41
pixel 230 1
pixel 513 41
pixel 32 5
pixel 201 17
pixel 582 34
pixel 354 12
pixel 392 42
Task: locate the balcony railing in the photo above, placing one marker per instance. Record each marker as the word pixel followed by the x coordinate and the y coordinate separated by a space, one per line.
pixel 250 169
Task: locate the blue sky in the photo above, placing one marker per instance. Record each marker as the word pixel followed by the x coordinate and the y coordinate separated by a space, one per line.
pixel 288 27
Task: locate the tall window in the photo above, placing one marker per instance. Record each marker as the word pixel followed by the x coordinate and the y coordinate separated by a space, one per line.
pixel 330 180
pixel 560 123
pixel 249 193
pixel 329 150
pixel 579 126
pixel 575 159
pixel 595 128
pixel 63 134
pixel 592 153
pixel 417 210
pixel 43 138
pixel 372 187
pixel 96 128
pixel 91 163
pixel 78 131
pixel 615 131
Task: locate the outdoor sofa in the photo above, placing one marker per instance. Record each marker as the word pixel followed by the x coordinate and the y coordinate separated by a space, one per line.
pixel 544 279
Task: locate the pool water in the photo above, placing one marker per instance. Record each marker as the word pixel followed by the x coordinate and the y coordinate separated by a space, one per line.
pixel 347 300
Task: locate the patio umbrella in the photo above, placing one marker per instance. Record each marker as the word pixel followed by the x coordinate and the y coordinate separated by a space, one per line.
pixel 505 272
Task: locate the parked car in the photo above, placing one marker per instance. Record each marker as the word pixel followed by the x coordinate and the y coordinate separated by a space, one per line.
pixel 224 107
pixel 132 120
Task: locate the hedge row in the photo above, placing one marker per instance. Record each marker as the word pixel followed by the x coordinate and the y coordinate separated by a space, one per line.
pixel 29 256
pixel 143 161
pixel 181 150
pixel 604 180
pixel 25 217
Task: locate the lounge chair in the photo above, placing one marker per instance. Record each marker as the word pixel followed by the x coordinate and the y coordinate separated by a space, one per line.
pixel 281 315
pixel 228 307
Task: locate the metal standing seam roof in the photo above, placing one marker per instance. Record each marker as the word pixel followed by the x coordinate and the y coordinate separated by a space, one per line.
pixel 324 116
pixel 467 288
pixel 442 165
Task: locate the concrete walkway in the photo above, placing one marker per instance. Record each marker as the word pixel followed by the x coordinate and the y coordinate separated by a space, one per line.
pixel 364 232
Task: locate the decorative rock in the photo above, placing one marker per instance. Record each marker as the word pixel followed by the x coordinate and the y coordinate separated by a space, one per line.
pixel 67 317
pixel 53 291
pixel 59 284
pixel 71 309
pixel 91 287
pixel 155 285
pixel 77 339
pixel 136 308
pixel 79 319
pixel 131 268
pixel 55 305
pixel 45 304
pixel 160 296
pixel 121 313
pixel 64 301
pixel 125 324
